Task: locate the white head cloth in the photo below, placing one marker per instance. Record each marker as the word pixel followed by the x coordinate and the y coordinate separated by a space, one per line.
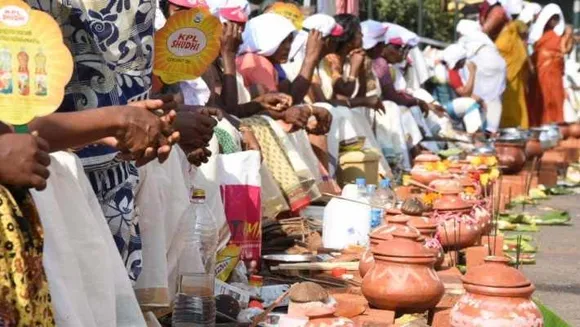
pixel 395 34
pixel 548 12
pixel 320 22
pixel 264 34
pixel 531 9
pixel 514 7
pixel 373 33
pixel 472 38
pixel 216 5
pixel 454 54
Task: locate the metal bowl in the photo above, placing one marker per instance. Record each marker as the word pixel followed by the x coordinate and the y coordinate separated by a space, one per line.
pixel 274 259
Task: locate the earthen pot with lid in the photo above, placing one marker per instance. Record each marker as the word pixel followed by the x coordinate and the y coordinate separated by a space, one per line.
pixel 533 148
pixel 382 234
pixel 391 212
pixel 403 278
pixel 401 219
pixel 428 228
pixel 496 295
pixel 511 156
pixel 447 185
pixel 451 202
pixel 564 130
pixel 575 130
pixel 425 158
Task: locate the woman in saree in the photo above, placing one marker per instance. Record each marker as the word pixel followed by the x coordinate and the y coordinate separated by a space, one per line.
pixel 512 48
pixel 547 105
pixel 492 18
pixel 335 84
pixel 283 137
pixel 490 79
pixel 25 298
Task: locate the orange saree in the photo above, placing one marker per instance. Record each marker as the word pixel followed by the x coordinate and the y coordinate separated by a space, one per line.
pixel 548 104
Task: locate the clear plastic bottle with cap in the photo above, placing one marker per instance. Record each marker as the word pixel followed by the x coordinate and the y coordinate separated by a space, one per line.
pixel 382 199
pixel 194 303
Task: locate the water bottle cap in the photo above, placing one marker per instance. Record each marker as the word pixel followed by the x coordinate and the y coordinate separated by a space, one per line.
pixel 361 182
pixel 385 183
pixel 198 194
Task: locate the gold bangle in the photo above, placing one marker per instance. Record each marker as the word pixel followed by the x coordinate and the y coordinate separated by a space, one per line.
pixel 351 79
pixel 311 109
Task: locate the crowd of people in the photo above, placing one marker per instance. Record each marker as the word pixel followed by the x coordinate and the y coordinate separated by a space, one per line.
pixel 124 151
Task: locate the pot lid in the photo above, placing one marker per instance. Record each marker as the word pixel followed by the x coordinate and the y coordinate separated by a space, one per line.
pixel 387 232
pixel 383 232
pixel 427 157
pixel 401 219
pixel 450 203
pixel 496 272
pixel 393 211
pixel 422 223
pixel 402 247
pixel 408 232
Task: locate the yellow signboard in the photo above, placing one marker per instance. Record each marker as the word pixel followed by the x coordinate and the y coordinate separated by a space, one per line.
pixel 35 65
pixel 187 44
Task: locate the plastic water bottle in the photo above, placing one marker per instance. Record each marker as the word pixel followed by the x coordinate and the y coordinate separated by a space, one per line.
pixel 361 186
pixel 376 214
pixel 382 199
pixel 194 303
pixel 385 195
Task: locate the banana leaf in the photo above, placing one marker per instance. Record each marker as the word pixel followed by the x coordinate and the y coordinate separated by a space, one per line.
pixel 525 258
pixel 514 236
pixel 550 318
pixel 555 217
pixel 525 246
pixel 560 190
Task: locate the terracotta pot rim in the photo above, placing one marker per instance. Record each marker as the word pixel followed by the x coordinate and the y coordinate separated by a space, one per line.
pixel 521 292
pixel 421 259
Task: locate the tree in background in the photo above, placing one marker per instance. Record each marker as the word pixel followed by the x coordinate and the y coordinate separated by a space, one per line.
pixel 437 24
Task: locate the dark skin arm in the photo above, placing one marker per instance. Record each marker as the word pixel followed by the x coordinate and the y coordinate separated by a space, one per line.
pixel 133 129
pixel 231 38
pixel 300 86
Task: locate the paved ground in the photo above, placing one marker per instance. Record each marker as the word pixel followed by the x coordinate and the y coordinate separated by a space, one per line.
pixel 557 272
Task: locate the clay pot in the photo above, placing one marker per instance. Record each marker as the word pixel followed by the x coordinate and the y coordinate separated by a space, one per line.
pixel 428 228
pixel 391 212
pixel 424 176
pixel 380 235
pixel 496 295
pixel 425 158
pixel 424 225
pixel 511 156
pixel 534 148
pixel 451 202
pixel 455 235
pixel 483 216
pixel 564 130
pixel 403 278
pixel 447 185
pixel 575 130
pixel 399 220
